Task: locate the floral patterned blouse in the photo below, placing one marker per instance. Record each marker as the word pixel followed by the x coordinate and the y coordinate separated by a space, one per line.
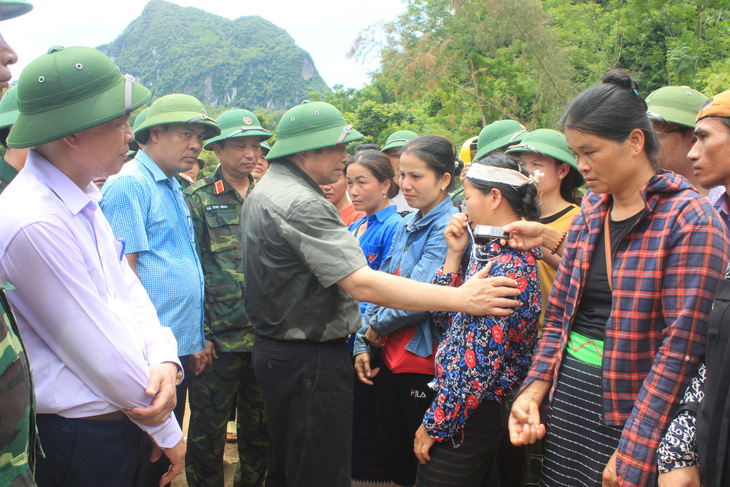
pixel 481 356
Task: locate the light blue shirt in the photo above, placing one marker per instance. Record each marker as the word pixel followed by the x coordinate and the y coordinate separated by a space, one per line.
pixel 147 211
pixel 418 249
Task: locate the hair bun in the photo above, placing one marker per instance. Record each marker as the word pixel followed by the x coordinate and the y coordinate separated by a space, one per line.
pixel 620 79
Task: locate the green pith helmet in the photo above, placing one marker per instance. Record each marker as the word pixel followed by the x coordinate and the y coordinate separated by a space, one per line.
pixel 70 90
pixel 675 104
pixel 549 143
pixel 498 134
pixel 238 123
pixel 9 107
pixel 265 147
pixel 177 108
pixel 310 126
pixel 398 139
pixel 138 120
pixel 13 8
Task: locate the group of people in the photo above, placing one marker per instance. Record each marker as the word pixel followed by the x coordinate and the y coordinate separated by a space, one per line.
pixel 398 315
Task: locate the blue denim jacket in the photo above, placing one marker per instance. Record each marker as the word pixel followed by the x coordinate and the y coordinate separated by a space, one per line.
pixel 419 248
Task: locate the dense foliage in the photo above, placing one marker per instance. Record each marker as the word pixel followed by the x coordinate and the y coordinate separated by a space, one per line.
pixel 247 62
pixel 453 66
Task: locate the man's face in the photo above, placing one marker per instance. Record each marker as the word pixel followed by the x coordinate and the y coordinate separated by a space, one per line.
pixel 176 149
pixel 710 154
pixel 335 191
pixel 103 149
pixel 239 155
pixel 326 165
pixel 394 156
pixel 675 141
pixel 7 57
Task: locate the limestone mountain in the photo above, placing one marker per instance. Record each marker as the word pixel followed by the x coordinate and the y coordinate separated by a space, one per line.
pixel 248 62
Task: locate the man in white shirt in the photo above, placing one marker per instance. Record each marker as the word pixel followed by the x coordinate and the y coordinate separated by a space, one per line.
pixel 99 355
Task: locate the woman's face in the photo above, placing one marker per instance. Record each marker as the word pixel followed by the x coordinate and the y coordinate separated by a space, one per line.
pixel 366 192
pixel 607 165
pixel 547 170
pixel 420 184
pixel 479 206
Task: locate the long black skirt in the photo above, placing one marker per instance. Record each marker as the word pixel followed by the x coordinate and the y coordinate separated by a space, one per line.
pixel 577 446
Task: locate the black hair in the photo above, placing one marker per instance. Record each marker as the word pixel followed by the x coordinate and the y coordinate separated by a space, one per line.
pixel 458 168
pixel 379 166
pixel 612 110
pixel 725 120
pixel 438 154
pixel 363 147
pixel 523 199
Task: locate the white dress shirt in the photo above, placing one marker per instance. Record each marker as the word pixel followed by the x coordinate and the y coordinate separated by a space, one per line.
pixel 89 328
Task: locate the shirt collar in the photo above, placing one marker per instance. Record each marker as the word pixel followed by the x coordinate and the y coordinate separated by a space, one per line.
pixel 288 166
pixel 383 214
pixel 61 185
pixel 721 203
pixel 218 176
pixel 152 167
pixel 416 223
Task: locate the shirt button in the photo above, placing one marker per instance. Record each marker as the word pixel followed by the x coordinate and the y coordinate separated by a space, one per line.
pixel 686 358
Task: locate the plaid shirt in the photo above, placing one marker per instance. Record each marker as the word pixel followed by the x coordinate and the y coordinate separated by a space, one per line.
pixel 664 277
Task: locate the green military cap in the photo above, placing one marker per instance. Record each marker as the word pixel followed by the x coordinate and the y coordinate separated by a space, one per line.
pixel 177 108
pixel 310 126
pixel 9 107
pixel 238 123
pixel 13 8
pixel 398 139
pixel 70 90
pixel 675 104
pixel 265 146
pixel 549 143
pixel 141 116
pixel 498 134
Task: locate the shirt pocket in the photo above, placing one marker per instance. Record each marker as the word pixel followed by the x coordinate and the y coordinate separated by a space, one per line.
pixel 224 231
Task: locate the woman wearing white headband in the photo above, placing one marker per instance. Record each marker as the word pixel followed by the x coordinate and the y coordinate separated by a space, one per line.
pixel 481 358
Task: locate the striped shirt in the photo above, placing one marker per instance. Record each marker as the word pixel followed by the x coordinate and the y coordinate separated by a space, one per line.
pixel 146 209
pixel 665 273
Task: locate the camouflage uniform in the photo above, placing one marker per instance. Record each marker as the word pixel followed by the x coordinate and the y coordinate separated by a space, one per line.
pixel 18 434
pixel 215 208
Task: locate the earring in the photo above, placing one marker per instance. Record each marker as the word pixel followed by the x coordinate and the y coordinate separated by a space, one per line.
pixel 443 189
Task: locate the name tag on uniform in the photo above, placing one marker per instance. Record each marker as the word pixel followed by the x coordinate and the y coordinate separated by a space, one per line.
pixel 216 207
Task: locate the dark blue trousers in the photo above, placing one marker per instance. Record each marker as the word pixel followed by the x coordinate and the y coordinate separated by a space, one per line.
pixel 89 453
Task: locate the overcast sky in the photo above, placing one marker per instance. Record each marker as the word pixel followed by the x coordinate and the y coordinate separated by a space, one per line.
pixel 325 28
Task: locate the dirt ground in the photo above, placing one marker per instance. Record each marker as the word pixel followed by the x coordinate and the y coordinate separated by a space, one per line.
pixel 230 459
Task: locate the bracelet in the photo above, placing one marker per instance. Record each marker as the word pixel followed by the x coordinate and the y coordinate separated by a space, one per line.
pixel 560 241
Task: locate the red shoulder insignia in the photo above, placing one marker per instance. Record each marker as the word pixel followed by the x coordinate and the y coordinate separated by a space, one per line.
pixel 218 187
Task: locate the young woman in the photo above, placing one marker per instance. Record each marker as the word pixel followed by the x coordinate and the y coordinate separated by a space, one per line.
pixel 481 357
pixel 418 249
pixel 370 183
pixel 544 152
pixel 626 323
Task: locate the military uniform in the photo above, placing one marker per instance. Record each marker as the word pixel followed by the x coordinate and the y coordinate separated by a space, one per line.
pixel 18 434
pixel 7 173
pixel 215 208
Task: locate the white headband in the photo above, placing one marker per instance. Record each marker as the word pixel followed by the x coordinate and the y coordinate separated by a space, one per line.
pixel 493 174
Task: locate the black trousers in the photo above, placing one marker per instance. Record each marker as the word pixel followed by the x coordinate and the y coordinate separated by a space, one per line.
pixel 89 453
pixel 307 391
pixel 155 470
